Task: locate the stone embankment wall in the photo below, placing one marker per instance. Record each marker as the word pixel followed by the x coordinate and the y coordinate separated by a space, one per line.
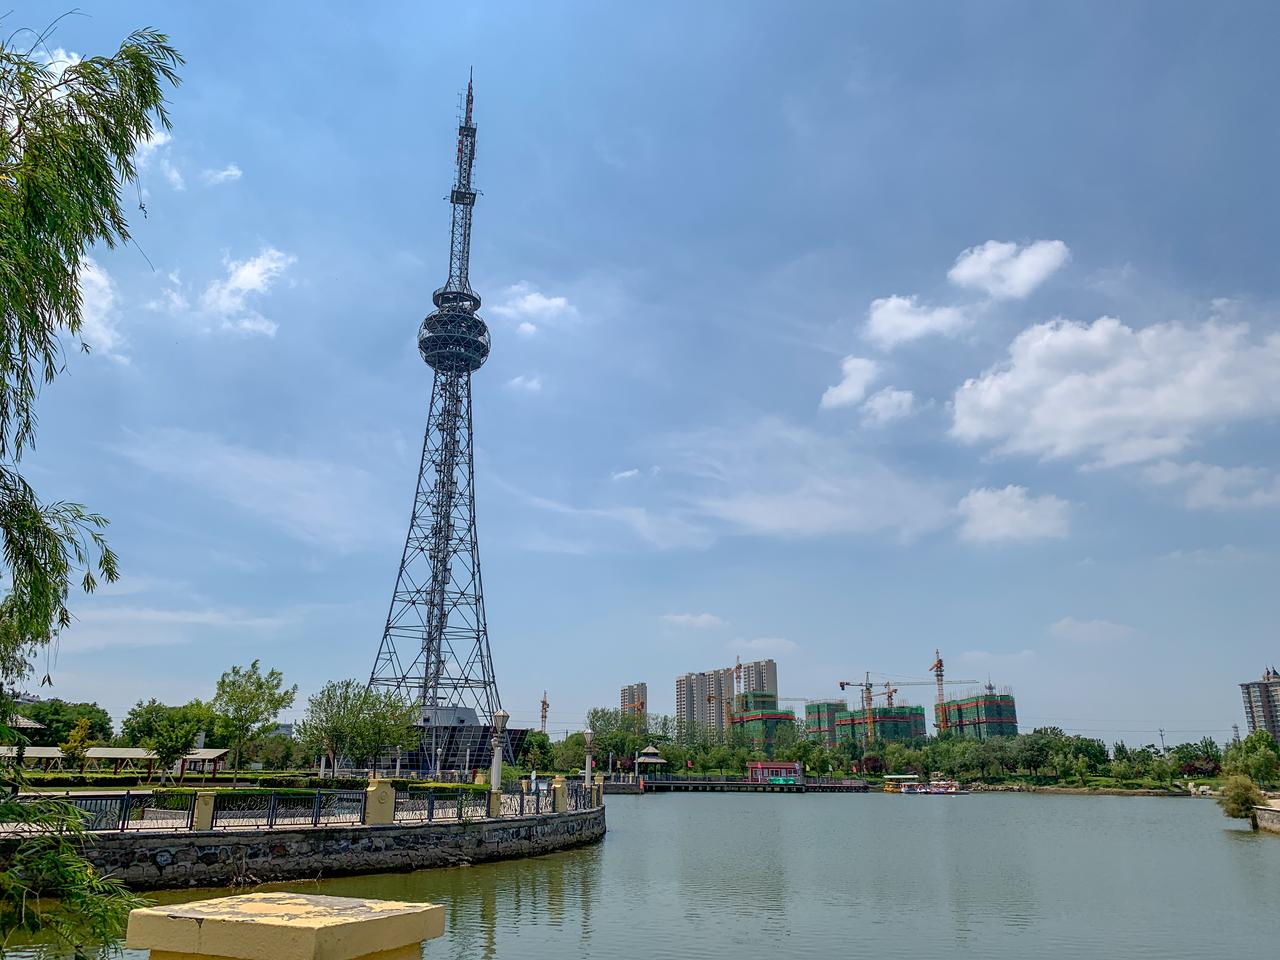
pixel 1268 818
pixel 144 859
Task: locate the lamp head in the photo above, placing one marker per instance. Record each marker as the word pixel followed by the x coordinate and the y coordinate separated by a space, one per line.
pixel 587 735
pixel 500 720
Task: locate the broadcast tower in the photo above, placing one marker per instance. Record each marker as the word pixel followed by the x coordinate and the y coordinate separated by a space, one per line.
pixel 435 648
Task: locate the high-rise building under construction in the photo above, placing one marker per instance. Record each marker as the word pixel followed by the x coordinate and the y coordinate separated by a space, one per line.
pixel 979 715
pixel 704 701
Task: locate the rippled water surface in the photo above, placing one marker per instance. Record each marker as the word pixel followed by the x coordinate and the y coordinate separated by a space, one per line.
pixel 746 876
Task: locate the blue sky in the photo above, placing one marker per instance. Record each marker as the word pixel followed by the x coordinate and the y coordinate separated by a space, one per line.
pixel 833 338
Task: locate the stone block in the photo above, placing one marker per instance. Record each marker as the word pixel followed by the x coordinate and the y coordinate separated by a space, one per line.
pixel 203 819
pixel 380 803
pixel 285 926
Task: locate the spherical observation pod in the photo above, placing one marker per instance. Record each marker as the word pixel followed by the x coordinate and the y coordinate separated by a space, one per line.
pixel 454 340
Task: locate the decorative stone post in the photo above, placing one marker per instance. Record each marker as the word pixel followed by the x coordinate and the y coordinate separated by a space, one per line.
pixel 379 802
pixel 203 819
pixel 559 795
pixel 495 765
pixel 271 926
pixel 598 799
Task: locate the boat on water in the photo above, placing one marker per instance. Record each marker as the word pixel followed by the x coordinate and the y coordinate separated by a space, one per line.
pixel 910 783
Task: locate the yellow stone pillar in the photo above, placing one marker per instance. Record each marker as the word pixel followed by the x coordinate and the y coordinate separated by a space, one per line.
pixel 559 795
pixel 598 797
pixel 271 926
pixel 203 820
pixel 379 802
pixel 495 804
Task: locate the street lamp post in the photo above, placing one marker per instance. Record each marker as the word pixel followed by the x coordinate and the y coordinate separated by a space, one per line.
pixel 587 735
pixel 439 757
pixel 495 765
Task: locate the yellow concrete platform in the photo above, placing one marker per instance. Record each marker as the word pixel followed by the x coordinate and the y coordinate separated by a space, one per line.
pixel 285 926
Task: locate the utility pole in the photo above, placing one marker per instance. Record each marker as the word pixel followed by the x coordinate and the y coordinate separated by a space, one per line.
pixel 1162 747
pixel 544 711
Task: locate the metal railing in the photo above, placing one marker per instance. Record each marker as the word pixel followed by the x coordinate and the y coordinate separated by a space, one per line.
pixel 579 796
pixel 428 805
pixel 128 810
pixel 276 809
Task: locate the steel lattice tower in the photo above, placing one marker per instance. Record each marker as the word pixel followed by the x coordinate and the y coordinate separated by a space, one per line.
pixel 435 648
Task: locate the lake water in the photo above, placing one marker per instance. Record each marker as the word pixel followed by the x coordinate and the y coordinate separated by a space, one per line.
pixel 746 876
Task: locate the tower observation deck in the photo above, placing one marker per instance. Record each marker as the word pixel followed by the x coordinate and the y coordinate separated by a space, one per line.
pixel 435 646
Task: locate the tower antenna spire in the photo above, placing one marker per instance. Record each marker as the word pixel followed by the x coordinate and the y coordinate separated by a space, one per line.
pixel 435 646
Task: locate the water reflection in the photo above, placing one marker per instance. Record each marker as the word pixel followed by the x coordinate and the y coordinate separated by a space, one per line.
pixel 744 876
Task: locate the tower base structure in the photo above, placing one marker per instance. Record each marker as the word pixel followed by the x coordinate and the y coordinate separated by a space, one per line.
pixel 463 746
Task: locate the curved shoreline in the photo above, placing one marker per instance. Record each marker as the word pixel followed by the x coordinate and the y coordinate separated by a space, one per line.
pixel 1072 791
pixel 151 860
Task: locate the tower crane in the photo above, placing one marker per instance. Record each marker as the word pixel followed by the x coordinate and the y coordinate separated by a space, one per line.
pixel 726 709
pixel 936 669
pixel 869 694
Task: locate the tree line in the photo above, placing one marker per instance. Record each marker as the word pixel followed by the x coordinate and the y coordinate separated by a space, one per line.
pixel 343 722
pixel 1046 753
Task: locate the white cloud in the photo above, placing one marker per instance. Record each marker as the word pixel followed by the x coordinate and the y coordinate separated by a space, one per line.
pixel 173 297
pixel 857 375
pixel 661 529
pixel 98 314
pixel 1229 553
pixel 775 479
pixel 1011 513
pixel 109 627
pixel 57 60
pixel 698 620
pixel 1007 271
pixel 894 320
pixel 228 174
pixel 1210 486
pixel 1099 632
pixel 145 150
pixel 155 150
pixel 1115 394
pixel 887 405
pixel 319 502
pixel 767 645
pixel 530 307
pixel 526 383
pixel 625 474
pixel 172 173
pixel 226 299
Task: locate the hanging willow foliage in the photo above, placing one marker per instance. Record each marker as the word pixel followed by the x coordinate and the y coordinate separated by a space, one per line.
pixel 68 135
